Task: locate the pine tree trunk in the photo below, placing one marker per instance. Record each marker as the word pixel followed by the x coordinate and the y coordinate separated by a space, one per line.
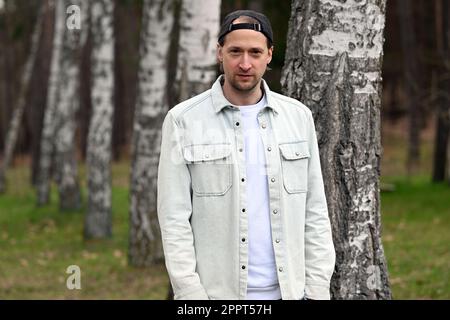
pixel 3 83
pixel 7 67
pixel 14 126
pixel 98 222
pixel 49 125
pixel 145 246
pixel 442 70
pixel 256 5
pixel 333 65
pixel 196 67
pixel 410 69
pixel 444 84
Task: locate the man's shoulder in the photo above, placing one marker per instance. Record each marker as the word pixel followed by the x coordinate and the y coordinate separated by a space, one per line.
pixel 190 104
pixel 289 104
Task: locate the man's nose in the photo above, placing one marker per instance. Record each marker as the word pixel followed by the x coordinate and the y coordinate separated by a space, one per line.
pixel 245 64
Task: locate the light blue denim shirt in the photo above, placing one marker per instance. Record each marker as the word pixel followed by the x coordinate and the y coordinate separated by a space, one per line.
pixel 202 198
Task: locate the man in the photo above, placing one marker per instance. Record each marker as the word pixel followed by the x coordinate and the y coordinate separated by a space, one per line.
pixel 241 202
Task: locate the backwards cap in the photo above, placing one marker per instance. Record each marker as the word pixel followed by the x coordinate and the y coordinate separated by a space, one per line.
pixel 263 26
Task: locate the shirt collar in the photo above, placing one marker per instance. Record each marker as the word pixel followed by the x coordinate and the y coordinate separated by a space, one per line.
pixel 219 101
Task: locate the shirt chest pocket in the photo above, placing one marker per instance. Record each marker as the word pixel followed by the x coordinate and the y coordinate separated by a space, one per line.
pixel 210 168
pixel 294 165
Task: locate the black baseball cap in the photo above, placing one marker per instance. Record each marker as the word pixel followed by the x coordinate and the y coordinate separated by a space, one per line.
pixel 263 26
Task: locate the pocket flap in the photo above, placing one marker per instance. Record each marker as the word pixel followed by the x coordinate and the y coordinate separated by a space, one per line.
pixel 295 150
pixel 206 152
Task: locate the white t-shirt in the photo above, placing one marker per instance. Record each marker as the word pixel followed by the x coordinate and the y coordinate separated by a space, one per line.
pixel 262 274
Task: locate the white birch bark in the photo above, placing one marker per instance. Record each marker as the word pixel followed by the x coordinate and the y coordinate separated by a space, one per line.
pixel 66 173
pixel 48 128
pixel 145 246
pixel 14 126
pixel 199 27
pixel 57 143
pixel 98 222
pixel 333 65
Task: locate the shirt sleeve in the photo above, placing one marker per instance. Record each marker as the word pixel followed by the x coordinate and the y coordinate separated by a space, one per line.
pixel 174 211
pixel 319 249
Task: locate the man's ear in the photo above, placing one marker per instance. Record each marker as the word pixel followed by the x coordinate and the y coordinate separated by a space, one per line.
pixel 219 53
pixel 270 53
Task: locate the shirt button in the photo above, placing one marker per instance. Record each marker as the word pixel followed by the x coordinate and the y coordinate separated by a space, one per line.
pixel 277 240
pixel 240 149
pixel 280 269
pixel 273 179
pixel 243 179
pixel 243 210
pixel 243 239
pixel 275 211
pixel 269 149
pixel 237 124
pixel 297 153
pixel 243 267
pixel 263 126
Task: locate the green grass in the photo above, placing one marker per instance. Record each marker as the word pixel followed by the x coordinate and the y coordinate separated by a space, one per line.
pixel 38 244
pixel 416 237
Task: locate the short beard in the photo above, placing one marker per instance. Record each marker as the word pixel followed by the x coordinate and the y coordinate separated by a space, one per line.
pixel 237 87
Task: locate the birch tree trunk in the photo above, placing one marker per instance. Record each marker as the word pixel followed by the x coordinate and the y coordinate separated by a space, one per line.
pixel 333 65
pixel 35 110
pixel 57 144
pixel 14 126
pixel 98 218
pixel 66 173
pixel 199 27
pixel 49 128
pixel 145 246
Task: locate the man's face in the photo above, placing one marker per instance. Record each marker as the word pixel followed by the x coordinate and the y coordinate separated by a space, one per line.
pixel 245 57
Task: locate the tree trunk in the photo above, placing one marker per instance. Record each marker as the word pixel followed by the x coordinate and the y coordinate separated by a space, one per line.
pixel 98 222
pixel 57 143
pixel 7 67
pixel 199 27
pixel 410 69
pixel 333 65
pixel 84 113
pixel 39 83
pixel 16 119
pixel 442 69
pixel 144 244
pixel 256 5
pixel 49 125
pixel 66 172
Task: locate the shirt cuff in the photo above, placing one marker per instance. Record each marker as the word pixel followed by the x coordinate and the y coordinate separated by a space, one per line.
pixel 196 293
pixel 317 292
